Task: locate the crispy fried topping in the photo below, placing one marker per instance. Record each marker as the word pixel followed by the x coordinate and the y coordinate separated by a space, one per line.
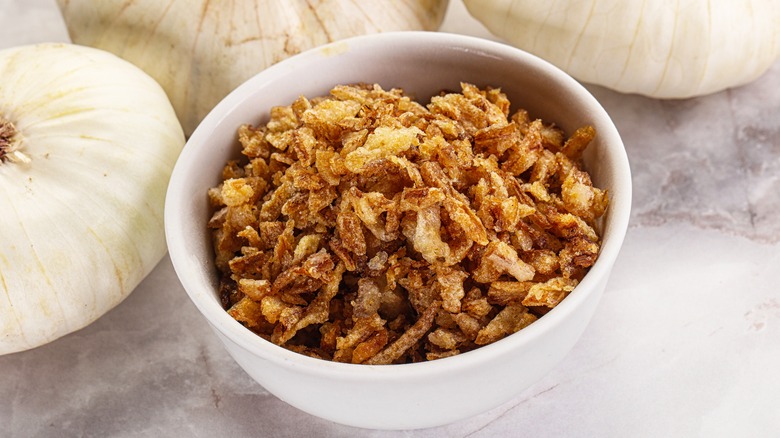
pixel 364 227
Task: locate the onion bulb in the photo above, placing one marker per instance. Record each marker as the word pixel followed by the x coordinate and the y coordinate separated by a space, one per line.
pixel 87 145
pixel 200 50
pixel 661 49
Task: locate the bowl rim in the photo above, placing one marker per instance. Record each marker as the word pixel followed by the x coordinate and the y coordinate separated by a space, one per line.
pixel 202 295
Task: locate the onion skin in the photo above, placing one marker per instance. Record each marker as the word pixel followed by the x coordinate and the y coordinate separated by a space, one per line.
pixel 82 214
pixel 201 50
pixel 660 49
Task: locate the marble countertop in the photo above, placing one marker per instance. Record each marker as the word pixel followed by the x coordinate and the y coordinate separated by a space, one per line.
pixel 685 342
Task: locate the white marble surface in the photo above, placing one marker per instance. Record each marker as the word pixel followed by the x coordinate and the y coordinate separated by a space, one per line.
pixel 686 341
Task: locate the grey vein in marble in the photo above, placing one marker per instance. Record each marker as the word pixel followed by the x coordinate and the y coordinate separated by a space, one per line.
pixel 712 161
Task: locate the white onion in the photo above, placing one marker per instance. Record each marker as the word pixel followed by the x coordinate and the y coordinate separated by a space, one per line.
pixel 662 49
pixel 89 145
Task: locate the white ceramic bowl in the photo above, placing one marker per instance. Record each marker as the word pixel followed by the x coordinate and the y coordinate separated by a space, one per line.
pixel 410 395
